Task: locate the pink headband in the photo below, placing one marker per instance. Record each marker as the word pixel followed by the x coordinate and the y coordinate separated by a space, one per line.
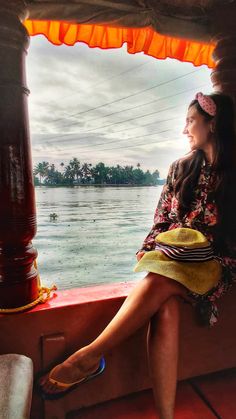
pixel 206 103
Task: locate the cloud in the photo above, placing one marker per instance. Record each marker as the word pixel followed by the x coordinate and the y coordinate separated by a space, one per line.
pixel 94 105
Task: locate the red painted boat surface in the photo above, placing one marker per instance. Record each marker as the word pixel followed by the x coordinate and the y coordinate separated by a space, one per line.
pixel 216 399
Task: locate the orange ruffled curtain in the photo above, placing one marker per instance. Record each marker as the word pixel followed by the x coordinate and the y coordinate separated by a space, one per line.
pixel 138 40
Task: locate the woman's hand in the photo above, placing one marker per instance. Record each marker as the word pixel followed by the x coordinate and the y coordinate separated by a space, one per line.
pixel 140 255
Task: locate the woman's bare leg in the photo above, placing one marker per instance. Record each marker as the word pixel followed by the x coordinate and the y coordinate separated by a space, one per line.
pixel 163 349
pixel 138 308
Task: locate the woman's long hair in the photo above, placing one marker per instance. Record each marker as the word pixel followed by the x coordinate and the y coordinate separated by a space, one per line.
pixel 224 168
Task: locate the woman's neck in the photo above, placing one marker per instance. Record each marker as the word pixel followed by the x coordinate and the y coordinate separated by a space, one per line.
pixel 209 153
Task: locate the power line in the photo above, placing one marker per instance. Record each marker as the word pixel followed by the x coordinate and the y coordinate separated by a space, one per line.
pixel 138 106
pixel 131 95
pixel 124 139
pixel 159 121
pixel 132 137
pixel 149 123
pixel 128 138
pixel 133 146
pixel 123 129
pixel 116 123
pixel 97 84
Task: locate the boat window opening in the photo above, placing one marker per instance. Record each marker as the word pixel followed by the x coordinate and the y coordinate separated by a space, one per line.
pixel 105 126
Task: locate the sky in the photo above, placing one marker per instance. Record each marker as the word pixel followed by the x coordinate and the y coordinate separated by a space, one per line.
pixel 108 105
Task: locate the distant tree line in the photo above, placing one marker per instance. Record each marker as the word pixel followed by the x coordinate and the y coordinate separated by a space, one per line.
pixel 76 173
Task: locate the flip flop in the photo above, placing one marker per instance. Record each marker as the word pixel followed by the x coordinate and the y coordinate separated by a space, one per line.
pixel 67 387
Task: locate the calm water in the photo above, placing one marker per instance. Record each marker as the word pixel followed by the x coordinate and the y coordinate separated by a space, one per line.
pixel 96 234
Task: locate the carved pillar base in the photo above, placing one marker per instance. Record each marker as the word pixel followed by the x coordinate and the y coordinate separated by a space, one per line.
pixel 18 277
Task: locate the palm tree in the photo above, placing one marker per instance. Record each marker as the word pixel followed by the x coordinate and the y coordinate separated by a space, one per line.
pixel 54 177
pixel 75 168
pixel 138 176
pixel 113 175
pixel 156 175
pixel 42 170
pixel 128 172
pixel 86 172
pixel 148 178
pixel 119 174
pixel 69 174
pixel 100 173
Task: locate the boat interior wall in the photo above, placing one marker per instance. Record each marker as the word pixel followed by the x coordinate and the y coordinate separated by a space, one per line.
pixel 49 332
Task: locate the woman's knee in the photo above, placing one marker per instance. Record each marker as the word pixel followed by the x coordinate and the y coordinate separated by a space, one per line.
pixel 155 280
pixel 169 308
pixel 167 315
pixel 163 285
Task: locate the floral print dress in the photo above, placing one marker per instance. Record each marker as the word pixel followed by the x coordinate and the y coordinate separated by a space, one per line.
pixel 202 217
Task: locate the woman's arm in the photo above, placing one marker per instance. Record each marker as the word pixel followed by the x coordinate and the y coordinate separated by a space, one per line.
pixel 161 217
pixel 230 262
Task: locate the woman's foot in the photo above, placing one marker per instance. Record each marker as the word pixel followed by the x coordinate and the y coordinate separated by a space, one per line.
pixel 73 370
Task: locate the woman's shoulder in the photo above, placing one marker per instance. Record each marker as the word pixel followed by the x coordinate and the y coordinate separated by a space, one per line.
pixel 179 162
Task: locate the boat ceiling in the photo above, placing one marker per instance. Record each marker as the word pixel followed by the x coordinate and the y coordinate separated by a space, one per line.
pixel 187 20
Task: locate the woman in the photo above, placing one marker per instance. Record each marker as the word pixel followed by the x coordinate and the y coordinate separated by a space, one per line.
pixel 198 195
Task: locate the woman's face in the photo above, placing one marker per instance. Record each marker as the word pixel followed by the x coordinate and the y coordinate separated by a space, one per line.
pixel 198 130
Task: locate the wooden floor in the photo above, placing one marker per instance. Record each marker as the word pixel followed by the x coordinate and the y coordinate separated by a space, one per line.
pixel 206 397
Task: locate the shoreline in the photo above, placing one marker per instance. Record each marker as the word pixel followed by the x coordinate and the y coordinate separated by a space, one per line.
pixel 98 185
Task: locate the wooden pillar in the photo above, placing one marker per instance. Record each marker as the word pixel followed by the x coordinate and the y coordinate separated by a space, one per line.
pixel 18 277
pixel 223 76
